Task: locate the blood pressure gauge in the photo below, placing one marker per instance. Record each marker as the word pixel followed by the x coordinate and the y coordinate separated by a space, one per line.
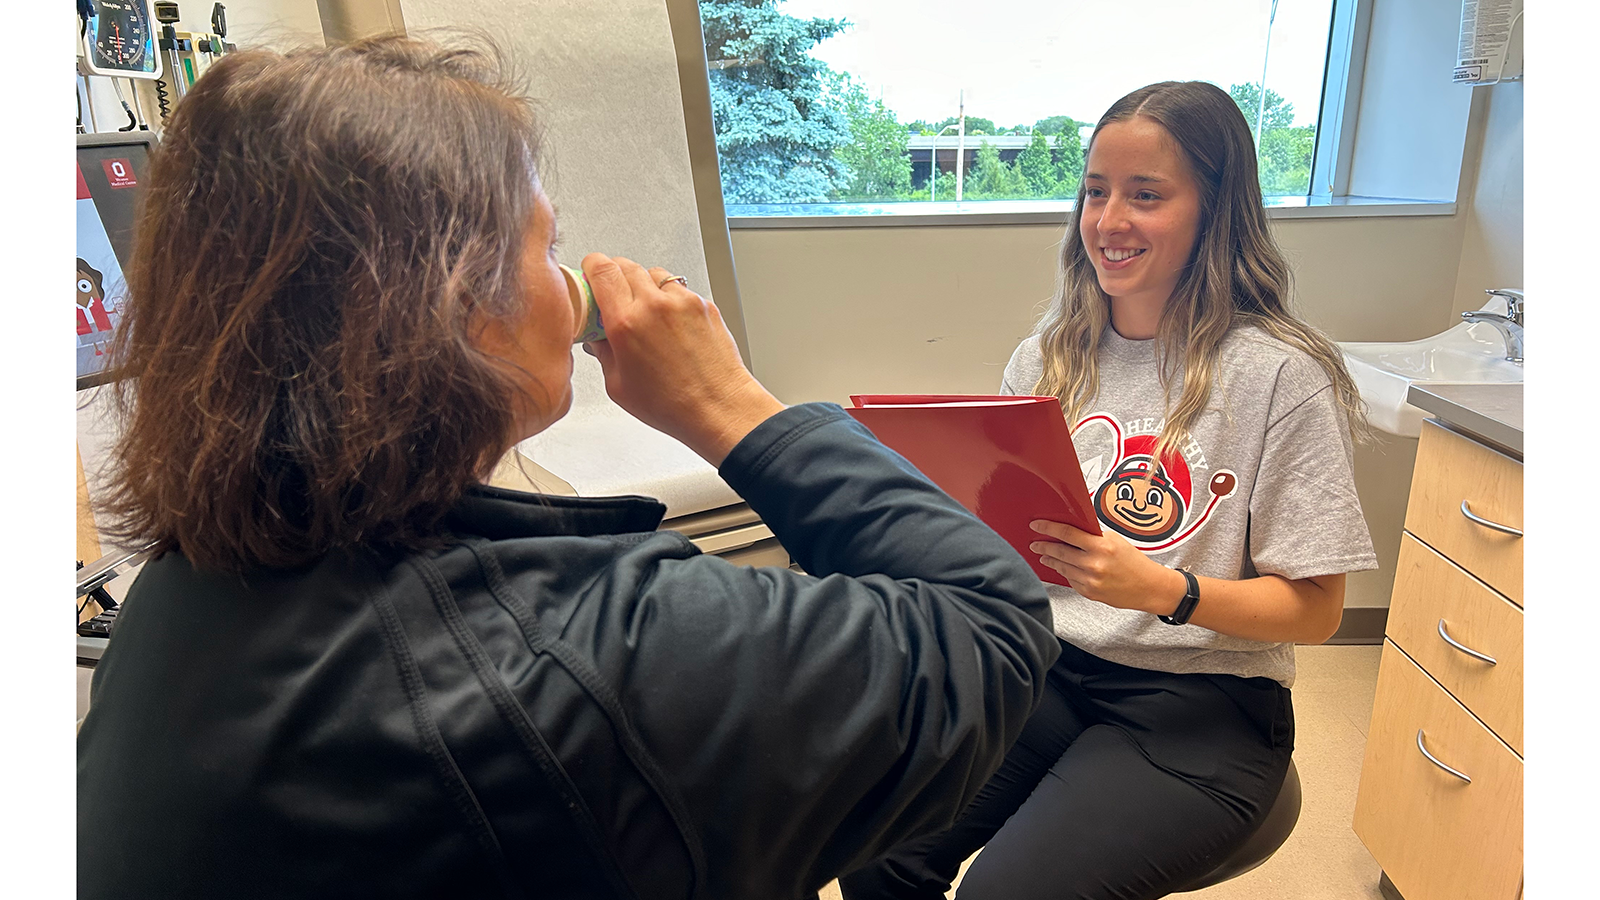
pixel 120 40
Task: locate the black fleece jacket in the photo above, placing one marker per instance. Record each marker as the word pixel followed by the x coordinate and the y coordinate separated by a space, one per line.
pixel 564 702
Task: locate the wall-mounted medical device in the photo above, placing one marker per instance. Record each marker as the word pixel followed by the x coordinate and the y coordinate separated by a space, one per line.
pixel 189 53
pixel 112 170
pixel 119 39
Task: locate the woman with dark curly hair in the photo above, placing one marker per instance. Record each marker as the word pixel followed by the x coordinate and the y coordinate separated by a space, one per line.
pixel 355 670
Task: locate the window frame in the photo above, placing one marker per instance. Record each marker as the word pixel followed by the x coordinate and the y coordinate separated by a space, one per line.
pixel 1341 97
pixel 1055 212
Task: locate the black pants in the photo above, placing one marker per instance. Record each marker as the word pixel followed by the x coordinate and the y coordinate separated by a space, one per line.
pixel 1126 783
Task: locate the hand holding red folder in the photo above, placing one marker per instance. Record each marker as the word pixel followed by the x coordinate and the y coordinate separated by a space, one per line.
pixel 1008 459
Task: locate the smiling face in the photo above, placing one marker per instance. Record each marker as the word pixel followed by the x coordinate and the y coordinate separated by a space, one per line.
pixel 1141 214
pixel 1139 507
pixel 88 286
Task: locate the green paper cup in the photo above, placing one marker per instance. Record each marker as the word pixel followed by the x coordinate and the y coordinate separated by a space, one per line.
pixel 584 310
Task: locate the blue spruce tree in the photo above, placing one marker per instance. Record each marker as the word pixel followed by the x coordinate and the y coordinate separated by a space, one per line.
pixel 776 133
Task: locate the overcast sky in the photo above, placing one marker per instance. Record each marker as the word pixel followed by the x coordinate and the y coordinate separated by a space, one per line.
pixel 1022 60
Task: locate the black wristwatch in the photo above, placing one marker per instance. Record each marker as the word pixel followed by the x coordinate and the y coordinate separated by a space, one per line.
pixel 1191 599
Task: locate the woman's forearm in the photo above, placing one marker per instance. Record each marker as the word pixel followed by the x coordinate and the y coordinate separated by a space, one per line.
pixel 1265 608
pixel 1107 568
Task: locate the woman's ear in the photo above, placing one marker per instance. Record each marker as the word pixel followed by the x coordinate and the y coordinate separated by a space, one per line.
pixel 493 338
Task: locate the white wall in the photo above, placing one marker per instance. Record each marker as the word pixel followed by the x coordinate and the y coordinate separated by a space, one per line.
pixel 253 22
pixel 1412 120
pixel 604 77
pixel 835 311
pixel 1491 247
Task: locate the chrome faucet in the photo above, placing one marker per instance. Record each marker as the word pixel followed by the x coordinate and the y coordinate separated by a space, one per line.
pixel 1509 325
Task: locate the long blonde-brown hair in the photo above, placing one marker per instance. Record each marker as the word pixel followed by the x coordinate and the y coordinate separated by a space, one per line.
pixel 1237 275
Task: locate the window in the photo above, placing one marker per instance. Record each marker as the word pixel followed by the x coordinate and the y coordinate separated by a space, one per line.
pixel 856 106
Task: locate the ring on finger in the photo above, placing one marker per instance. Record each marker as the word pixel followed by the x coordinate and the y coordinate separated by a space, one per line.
pixel 671 278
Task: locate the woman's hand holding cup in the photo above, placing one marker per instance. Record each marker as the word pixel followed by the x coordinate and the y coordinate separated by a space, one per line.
pixel 669 359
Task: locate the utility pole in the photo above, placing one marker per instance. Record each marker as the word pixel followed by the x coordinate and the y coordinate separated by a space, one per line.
pixel 933 172
pixel 961 144
pixel 1261 105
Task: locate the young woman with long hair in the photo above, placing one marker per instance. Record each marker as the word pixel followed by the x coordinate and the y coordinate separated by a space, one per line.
pixel 1215 430
pixel 355 671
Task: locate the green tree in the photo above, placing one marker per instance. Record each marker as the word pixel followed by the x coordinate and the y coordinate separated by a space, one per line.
pixel 776 137
pixel 1284 157
pixel 1279 112
pixel 1285 165
pixel 878 158
pixel 975 125
pixel 1055 125
pixel 1066 159
pixel 1037 168
pixel 992 179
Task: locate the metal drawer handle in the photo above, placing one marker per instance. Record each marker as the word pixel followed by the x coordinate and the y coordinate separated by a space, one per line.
pixel 1431 758
pixel 1462 647
pixel 1507 529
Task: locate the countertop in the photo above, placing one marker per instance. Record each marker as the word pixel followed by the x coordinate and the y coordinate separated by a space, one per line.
pixel 1490 412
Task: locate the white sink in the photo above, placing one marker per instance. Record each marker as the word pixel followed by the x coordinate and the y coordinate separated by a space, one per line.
pixel 1466 354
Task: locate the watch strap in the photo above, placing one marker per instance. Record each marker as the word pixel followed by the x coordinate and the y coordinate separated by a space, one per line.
pixel 1191 599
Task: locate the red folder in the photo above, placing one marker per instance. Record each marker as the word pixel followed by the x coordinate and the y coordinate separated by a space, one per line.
pixel 1008 459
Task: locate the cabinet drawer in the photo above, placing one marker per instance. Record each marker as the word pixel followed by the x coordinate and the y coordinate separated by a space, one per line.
pixel 1452 470
pixel 1436 836
pixel 1429 589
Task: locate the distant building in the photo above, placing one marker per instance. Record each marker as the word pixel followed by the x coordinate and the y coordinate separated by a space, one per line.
pixel 923 147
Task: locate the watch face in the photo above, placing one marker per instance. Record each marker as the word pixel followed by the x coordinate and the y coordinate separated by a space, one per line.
pixel 121 33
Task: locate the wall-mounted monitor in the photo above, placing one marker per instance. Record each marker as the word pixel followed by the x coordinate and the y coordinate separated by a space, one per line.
pixel 113 169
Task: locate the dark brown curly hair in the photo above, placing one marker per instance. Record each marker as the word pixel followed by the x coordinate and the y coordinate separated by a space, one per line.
pixel 322 233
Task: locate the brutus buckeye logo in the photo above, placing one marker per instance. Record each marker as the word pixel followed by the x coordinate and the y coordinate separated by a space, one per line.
pixel 1148 502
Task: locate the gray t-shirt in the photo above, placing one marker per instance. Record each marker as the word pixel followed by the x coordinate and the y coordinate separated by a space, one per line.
pixel 1264 486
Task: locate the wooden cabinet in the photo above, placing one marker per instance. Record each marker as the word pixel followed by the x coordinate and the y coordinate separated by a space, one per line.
pixel 1440 802
pixel 1435 833
pixel 1457 479
pixel 1436 602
